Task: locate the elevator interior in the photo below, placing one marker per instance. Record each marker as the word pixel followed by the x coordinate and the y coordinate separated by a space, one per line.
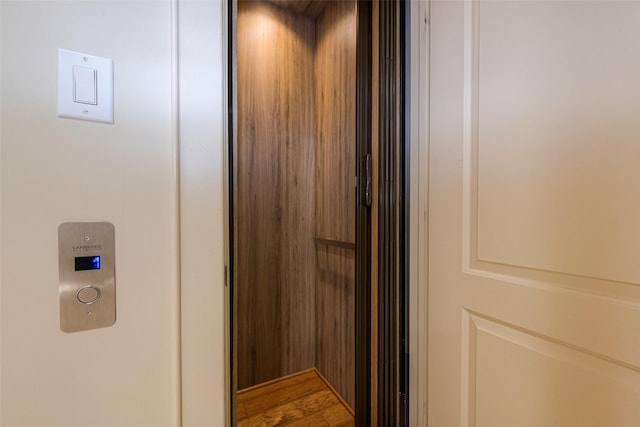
pixel 294 195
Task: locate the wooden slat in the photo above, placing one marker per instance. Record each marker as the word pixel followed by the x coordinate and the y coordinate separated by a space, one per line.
pixel 276 381
pixel 337 416
pixel 335 106
pixel 280 393
pixel 296 411
pixel 311 420
pixel 241 411
pixel 302 399
pixel 335 320
pixel 310 8
pixel 340 398
pixel 315 8
pixel 335 195
pixel 274 249
pixel 336 243
pixel 375 79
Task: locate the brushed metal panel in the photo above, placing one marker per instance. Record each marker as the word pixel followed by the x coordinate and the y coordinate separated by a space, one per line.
pixel 86 239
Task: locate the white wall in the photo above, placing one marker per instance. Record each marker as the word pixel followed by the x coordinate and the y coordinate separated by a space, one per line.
pixel 55 170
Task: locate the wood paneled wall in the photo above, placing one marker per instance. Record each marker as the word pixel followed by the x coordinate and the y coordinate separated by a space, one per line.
pixel 296 172
pixel 274 205
pixel 335 194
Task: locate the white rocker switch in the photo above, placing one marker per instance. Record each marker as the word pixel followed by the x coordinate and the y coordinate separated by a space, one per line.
pixel 85 85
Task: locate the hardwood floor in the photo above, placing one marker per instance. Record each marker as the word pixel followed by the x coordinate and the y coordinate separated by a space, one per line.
pixel 301 399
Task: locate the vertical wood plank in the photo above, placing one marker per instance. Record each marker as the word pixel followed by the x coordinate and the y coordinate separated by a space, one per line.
pixel 335 296
pixel 375 79
pixel 335 194
pixel 275 261
pixel 335 105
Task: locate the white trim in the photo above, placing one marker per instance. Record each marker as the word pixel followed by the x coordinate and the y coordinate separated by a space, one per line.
pixel 202 101
pixel 202 62
pixel 1 210
pixel 175 141
pixel 418 212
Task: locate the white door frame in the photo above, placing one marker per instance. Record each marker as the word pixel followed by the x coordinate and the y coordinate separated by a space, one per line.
pixel 202 36
pixel 202 102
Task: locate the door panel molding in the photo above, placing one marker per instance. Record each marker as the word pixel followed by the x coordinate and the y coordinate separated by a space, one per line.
pixel 509 202
pixel 532 295
pixel 491 266
pixel 548 369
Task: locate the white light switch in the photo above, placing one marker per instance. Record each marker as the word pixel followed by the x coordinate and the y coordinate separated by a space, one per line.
pixel 85 86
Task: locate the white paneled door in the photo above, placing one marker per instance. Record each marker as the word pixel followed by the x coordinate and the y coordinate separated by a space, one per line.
pixel 534 214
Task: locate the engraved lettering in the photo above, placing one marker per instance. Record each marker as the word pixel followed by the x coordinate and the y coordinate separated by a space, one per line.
pixel 86 248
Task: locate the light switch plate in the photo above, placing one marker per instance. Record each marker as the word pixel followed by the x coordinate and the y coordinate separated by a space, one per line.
pixel 77 98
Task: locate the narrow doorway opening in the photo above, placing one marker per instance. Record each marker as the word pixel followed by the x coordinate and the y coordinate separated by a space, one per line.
pixel 317 194
pixel 294 196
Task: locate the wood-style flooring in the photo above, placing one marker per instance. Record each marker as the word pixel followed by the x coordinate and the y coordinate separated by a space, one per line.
pixel 301 399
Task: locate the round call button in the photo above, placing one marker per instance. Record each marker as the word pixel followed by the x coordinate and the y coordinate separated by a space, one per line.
pixel 88 294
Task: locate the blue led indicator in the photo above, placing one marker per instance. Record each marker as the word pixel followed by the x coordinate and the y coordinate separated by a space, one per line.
pixel 87 263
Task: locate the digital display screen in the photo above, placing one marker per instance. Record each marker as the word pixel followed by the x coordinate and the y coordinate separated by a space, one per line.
pixel 87 263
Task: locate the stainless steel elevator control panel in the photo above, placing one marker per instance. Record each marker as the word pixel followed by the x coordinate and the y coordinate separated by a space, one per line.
pixel 86 256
